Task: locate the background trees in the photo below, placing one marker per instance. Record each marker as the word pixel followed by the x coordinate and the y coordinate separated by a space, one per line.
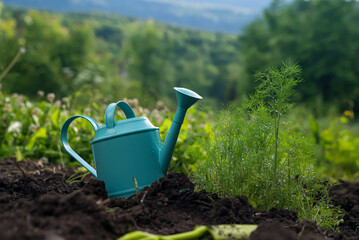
pixel 320 35
pixel 123 57
pixel 117 56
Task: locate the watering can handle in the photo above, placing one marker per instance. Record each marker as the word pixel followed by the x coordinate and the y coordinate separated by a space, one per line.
pixel 110 112
pixel 66 144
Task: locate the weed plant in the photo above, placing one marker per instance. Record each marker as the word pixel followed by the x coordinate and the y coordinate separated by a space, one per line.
pixel 252 150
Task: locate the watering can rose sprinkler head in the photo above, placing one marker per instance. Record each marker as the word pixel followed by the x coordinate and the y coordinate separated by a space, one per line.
pixel 131 149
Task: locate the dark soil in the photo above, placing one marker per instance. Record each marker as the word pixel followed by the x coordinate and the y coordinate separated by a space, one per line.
pixel 37 202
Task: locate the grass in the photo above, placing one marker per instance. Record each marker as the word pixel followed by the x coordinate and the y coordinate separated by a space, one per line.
pixel 77 177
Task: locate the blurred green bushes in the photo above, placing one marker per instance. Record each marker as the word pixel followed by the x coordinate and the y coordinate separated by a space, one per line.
pixel 321 35
pixel 117 55
pixel 126 57
pixel 31 129
pixel 335 139
pixel 340 148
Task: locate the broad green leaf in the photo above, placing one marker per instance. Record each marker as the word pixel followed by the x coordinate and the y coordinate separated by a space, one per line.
pixel 55 118
pixel 40 134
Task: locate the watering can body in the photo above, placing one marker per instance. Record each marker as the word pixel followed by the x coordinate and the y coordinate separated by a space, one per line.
pixel 128 154
pixel 125 156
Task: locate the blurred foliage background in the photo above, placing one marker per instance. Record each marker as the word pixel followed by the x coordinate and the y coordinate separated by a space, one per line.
pixel 64 64
pixel 121 56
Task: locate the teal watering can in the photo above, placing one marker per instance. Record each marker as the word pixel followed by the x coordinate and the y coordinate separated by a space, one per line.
pixel 131 149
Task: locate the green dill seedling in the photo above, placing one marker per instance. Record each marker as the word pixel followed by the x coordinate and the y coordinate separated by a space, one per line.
pixel 137 190
pixel 274 92
pixel 77 177
pixel 110 210
pixel 252 150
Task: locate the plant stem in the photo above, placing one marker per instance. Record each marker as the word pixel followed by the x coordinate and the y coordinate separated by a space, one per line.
pixel 136 185
pixel 276 149
pixel 12 63
pixel 61 156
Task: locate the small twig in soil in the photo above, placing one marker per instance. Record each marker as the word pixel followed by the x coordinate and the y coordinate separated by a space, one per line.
pixel 24 172
pixel 211 199
pixel 28 219
pixel 143 197
pixel 204 203
pixel 103 202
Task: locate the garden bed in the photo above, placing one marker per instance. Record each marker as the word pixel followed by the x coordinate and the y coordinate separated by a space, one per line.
pixel 38 202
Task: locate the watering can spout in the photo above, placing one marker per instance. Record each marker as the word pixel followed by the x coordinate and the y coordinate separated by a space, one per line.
pixel 185 99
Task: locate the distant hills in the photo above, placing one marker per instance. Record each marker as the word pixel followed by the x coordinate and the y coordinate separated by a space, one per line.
pixel 226 16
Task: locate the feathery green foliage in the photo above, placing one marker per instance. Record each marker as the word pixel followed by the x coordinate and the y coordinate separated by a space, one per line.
pixel 253 151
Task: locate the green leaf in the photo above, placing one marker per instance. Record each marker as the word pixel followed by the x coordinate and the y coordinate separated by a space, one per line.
pixel 40 134
pixel 95 105
pixel 55 117
pixel 19 156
